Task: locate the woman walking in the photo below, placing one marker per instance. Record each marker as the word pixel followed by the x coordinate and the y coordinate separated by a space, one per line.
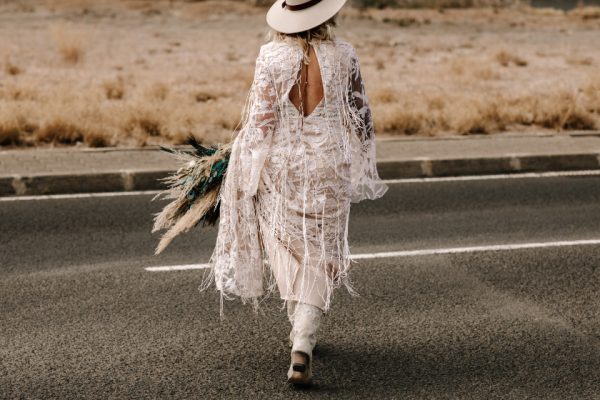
pixel 305 151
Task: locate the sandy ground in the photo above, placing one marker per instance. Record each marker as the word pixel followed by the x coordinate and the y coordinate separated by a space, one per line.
pixel 141 72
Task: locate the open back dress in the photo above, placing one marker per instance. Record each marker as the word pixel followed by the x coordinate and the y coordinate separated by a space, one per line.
pixel 286 195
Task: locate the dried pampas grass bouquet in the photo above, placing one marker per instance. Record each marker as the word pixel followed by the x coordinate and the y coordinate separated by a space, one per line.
pixel 194 189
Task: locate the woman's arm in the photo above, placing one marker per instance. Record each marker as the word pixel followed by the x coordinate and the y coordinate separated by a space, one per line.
pixel 365 178
pixel 259 124
pixel 362 118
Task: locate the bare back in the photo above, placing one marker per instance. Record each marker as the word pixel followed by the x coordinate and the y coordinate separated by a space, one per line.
pixel 308 93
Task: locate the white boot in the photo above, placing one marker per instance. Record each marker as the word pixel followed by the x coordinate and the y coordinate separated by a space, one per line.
pixel 291 307
pixel 306 322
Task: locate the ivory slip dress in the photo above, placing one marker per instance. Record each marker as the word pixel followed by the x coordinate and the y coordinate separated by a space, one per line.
pixel 286 195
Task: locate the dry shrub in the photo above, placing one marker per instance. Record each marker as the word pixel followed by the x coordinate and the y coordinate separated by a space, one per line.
pixel 373 44
pixel 225 114
pixel 545 11
pixel 115 89
pixel 402 22
pixel 475 116
pixel 580 61
pixel 472 68
pixel 363 4
pixel 432 3
pixel 9 134
pixel 182 121
pixel 148 122
pixel 245 77
pixel 402 123
pixel 586 13
pixel 380 64
pixel 157 91
pixel 15 127
pixel 10 68
pixel 560 110
pixel 442 112
pixel 176 118
pixel 563 111
pixel 10 130
pixel 421 49
pixel 486 73
pixel 70 42
pixel 203 97
pixel 592 91
pixel 144 122
pixel 24 7
pixel 505 58
pixel 519 110
pixel 21 92
pixel 72 117
pixel 260 3
pixel 133 121
pixel 435 103
pixel 68 121
pixel 210 8
pixel 402 118
pixel 60 130
pixel 383 96
pixel 232 56
pixel 97 139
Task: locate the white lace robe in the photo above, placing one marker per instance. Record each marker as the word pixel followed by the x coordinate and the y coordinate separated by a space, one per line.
pixel 291 178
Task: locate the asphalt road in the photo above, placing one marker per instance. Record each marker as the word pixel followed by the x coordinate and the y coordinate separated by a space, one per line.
pixel 82 318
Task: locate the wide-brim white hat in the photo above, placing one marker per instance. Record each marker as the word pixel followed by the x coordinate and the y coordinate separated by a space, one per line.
pixel 293 16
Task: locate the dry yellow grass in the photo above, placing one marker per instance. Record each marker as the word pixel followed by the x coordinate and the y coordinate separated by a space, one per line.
pixel 10 68
pixel 114 89
pixel 547 12
pixel 580 60
pixel 469 69
pixel 506 58
pixel 586 13
pixel 13 93
pixel 136 73
pixel 488 114
pixel 70 42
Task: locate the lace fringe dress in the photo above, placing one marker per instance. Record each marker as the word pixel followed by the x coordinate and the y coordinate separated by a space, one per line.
pixel 286 195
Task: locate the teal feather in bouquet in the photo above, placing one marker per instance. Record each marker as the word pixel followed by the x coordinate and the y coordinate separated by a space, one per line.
pixel 194 189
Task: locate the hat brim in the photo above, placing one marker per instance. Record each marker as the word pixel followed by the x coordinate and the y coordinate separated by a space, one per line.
pixel 285 21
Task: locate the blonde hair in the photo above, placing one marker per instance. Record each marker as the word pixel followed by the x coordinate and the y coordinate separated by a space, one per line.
pixel 323 32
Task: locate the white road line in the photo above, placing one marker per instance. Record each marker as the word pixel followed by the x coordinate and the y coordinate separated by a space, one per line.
pixel 388 181
pixel 424 252
pixel 80 195
pixel 474 249
pixel 177 267
pixel 517 175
